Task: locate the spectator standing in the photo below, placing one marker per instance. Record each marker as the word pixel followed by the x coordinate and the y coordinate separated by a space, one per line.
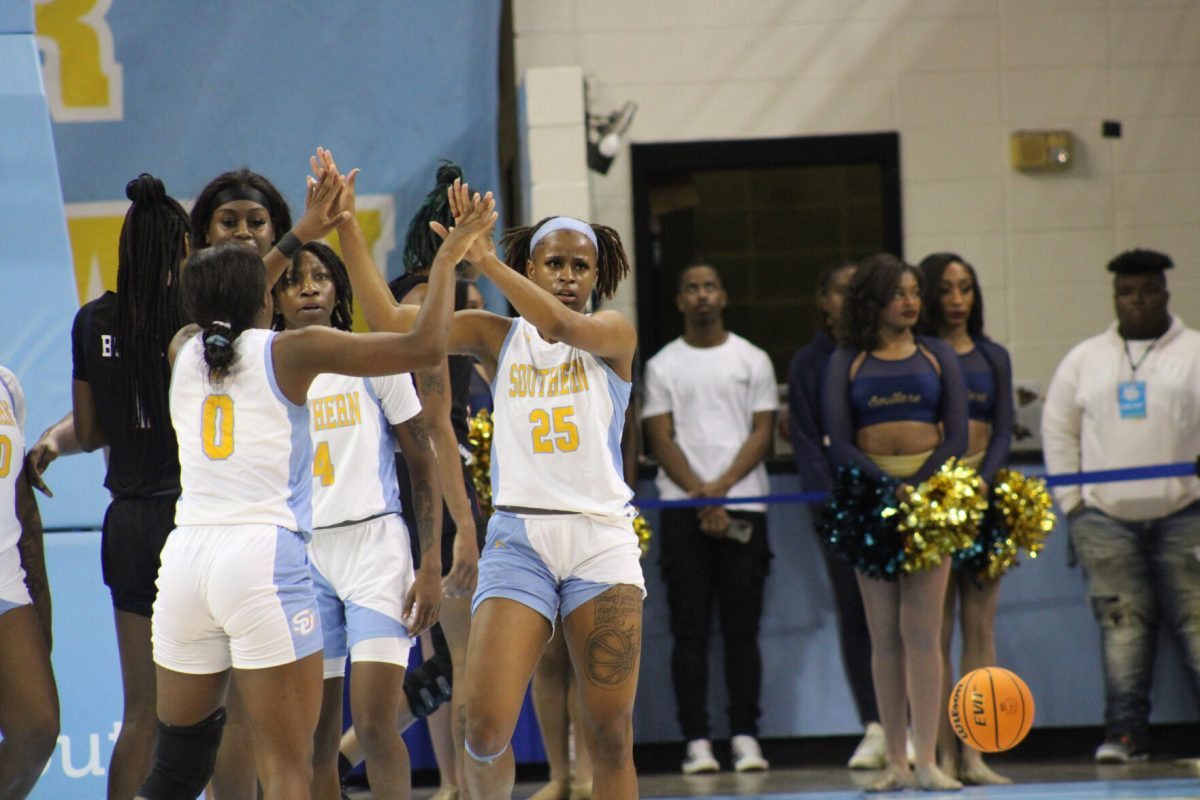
pixel 710 402
pixel 1127 397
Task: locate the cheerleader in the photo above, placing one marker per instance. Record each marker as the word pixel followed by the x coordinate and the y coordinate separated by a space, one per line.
pixel 235 591
pixel 562 539
pixel 953 306
pixel 895 409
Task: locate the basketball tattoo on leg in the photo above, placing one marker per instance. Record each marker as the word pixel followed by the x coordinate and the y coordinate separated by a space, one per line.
pixel 612 649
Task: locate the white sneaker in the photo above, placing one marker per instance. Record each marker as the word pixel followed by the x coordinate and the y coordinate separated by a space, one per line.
pixel 747 755
pixel 910 750
pixel 700 758
pixel 871 752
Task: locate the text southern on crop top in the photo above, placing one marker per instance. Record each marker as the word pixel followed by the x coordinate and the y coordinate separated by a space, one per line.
pixel 981 384
pixel 891 391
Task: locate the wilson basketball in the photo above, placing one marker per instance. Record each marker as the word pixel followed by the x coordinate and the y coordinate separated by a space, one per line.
pixel 991 709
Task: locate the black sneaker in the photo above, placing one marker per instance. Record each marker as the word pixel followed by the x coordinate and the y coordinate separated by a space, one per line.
pixel 1121 749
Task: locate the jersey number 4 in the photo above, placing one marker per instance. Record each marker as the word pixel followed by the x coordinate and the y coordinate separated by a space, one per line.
pixel 216 426
pixel 554 430
pixel 323 464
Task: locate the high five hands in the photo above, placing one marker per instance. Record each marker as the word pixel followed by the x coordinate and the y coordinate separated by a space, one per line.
pixel 474 220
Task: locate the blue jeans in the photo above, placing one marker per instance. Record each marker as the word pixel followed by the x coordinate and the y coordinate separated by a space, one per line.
pixel 1137 574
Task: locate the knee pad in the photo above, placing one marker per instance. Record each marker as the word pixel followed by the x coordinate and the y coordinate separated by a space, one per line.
pixel 429 685
pixel 184 758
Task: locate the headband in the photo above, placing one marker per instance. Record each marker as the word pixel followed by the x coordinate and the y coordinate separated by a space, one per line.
pixel 564 224
pixel 241 192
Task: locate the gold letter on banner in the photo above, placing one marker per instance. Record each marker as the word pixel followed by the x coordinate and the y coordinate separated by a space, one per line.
pixel 83 79
pixel 95 231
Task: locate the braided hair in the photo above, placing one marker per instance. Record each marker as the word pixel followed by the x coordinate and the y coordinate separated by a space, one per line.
pixel 223 289
pixel 342 317
pixel 153 244
pixel 421 243
pixel 241 179
pixel 612 264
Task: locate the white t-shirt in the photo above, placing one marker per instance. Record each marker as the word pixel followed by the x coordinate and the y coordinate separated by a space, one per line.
pixel 12 455
pixel 712 394
pixel 354 466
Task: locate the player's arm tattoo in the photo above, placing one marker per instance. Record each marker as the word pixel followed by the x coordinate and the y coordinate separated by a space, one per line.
pixel 432 380
pixel 614 645
pixel 422 483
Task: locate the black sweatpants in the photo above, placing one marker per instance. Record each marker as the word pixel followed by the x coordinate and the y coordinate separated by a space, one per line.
pixel 700 570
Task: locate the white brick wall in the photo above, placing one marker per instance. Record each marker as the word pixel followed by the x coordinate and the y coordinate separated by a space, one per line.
pixel 954 77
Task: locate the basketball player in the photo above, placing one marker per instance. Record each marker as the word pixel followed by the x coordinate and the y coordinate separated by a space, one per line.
pixel 29 702
pixel 362 567
pixel 562 540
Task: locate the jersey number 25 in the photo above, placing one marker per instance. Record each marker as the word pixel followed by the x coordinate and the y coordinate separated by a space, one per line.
pixel 554 430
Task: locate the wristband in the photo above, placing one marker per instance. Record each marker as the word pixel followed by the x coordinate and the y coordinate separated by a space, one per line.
pixel 289 244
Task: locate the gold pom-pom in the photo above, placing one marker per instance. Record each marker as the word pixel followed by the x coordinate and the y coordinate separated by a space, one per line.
pixel 479 437
pixel 941 515
pixel 1022 508
pixel 643 531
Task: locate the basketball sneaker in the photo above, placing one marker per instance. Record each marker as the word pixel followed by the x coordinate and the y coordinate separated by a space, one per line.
pixel 1121 749
pixel 700 758
pixel 747 755
pixel 871 752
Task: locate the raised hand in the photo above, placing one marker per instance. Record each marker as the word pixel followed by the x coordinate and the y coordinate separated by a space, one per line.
pixel 322 164
pixel 478 217
pixel 322 212
pixel 460 204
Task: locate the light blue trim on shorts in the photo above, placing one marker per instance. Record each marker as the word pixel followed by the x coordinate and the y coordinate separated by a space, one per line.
pixel 294 588
pixel 6 606
pixel 364 623
pixel 510 567
pixel 333 616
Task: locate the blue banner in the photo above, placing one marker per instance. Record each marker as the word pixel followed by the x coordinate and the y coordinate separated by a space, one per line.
pixel 187 90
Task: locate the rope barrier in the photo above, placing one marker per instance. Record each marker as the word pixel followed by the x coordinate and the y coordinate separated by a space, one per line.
pixel 1183 469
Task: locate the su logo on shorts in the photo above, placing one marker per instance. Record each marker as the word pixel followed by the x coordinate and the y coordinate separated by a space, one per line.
pixel 304 622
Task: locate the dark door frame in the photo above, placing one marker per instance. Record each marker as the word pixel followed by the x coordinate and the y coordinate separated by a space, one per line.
pixel 655 160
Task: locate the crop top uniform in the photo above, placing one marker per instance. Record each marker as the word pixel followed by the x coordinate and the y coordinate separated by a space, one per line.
pixel 987 371
pixel 907 389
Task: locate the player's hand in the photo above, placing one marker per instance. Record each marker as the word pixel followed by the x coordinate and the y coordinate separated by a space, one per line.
pixel 39 457
pixel 466 210
pixel 322 213
pixel 464 570
pixel 481 248
pixel 423 602
pixel 323 163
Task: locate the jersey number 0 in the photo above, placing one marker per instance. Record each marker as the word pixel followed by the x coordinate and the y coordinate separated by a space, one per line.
pixel 216 426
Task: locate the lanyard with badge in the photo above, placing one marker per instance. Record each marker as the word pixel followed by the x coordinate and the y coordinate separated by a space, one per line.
pixel 1131 394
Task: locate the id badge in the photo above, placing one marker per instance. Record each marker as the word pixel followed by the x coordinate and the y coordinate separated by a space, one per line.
pixel 1131 399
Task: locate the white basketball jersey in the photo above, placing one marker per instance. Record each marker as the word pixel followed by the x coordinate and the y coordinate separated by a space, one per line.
pixel 354 463
pixel 12 456
pixel 245 455
pixel 556 439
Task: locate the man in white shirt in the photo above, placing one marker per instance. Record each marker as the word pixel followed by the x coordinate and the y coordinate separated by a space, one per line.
pixel 710 401
pixel 1131 397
